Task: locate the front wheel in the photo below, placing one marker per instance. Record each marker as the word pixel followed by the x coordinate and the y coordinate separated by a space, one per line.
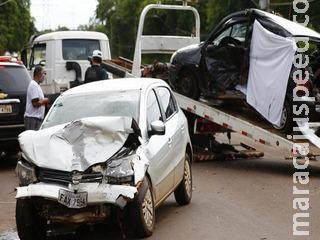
pixel 139 218
pixel 188 84
pixel 30 225
pixel 183 192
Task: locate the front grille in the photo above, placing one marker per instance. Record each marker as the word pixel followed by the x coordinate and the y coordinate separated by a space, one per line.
pixel 62 177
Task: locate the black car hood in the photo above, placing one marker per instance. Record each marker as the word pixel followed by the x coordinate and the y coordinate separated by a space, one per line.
pixel 188 55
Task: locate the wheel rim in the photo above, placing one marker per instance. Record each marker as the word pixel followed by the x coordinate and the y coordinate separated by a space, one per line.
pixel 187 178
pixel 284 117
pixel 147 209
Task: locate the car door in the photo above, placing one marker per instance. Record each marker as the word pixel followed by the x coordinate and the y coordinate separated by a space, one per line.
pixel 174 130
pixel 224 55
pixel 157 150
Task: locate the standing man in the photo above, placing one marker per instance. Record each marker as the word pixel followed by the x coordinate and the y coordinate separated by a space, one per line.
pixel 36 102
pixel 95 72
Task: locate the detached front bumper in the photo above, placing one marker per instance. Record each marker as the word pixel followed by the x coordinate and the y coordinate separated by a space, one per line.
pixel 97 193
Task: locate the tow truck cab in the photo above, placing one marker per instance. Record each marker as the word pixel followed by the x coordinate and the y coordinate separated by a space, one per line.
pixel 64 54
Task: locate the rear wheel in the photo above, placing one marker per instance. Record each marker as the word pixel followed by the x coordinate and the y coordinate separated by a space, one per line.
pixel 139 218
pixel 183 193
pixel 188 84
pixel 30 225
pixel 12 150
pixel 286 124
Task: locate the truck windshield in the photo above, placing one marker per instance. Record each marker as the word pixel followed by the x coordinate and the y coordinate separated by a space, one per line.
pixel 112 103
pixel 78 49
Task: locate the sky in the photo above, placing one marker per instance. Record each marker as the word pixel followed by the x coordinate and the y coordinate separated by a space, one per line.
pixel 49 14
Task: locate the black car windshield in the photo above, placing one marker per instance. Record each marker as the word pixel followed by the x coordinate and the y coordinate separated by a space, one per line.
pixel 112 103
pixel 14 79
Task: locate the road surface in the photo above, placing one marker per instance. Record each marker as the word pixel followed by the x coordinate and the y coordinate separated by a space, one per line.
pixel 235 199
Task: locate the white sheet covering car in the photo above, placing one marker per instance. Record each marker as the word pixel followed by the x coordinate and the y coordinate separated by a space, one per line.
pixel 109 145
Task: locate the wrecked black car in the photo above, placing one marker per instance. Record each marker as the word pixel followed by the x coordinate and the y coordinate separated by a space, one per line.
pixel 249 56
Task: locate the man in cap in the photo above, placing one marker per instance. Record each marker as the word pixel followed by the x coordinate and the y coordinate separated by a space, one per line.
pixel 95 72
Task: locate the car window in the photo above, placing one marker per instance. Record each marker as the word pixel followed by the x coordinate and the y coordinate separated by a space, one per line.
pixel 78 49
pixel 237 31
pixel 14 79
pixel 167 101
pixel 153 109
pixel 112 103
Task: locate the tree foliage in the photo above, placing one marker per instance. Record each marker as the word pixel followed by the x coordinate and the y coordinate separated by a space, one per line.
pixel 119 18
pixel 16 25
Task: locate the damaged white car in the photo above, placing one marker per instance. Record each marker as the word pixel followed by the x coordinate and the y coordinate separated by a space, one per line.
pixel 109 147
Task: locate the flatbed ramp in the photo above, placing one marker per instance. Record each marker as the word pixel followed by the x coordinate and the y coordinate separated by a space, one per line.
pixel 248 125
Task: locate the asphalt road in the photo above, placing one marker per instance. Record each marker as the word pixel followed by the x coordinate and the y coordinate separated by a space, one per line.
pixel 235 199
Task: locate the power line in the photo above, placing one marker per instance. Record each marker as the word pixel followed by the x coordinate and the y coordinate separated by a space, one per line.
pixel 287 3
pixel 1 4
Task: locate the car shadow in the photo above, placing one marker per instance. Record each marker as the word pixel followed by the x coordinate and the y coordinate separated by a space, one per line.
pixel 281 167
pixel 8 162
pixel 112 230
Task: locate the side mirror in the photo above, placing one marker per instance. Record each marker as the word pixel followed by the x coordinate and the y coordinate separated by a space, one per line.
pixel 24 57
pixel 42 63
pixel 158 128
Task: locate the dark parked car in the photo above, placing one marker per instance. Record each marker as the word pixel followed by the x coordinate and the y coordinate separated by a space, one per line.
pixel 215 68
pixel 14 81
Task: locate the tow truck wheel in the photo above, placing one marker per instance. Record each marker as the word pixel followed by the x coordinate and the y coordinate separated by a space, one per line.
pixel 183 192
pixel 30 225
pixel 188 85
pixel 139 218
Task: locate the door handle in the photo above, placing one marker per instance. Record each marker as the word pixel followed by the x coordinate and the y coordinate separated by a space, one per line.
pixel 169 141
pixel 182 128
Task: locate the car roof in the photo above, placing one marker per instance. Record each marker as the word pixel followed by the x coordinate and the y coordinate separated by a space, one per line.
pixel 114 85
pixel 294 28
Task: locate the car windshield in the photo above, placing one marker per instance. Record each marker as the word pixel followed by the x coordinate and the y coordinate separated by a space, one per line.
pixel 112 103
pixel 14 79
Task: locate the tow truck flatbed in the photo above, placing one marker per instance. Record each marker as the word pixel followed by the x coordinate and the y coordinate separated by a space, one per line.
pixel 247 124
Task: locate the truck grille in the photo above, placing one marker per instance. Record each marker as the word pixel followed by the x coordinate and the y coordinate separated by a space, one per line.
pixel 62 177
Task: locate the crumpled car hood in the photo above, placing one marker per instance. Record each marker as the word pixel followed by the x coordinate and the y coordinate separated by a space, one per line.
pixel 76 145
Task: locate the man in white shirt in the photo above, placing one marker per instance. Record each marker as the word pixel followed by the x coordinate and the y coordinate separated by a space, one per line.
pixel 36 102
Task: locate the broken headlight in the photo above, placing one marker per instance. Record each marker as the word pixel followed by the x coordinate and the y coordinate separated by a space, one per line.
pixel 120 170
pixel 26 173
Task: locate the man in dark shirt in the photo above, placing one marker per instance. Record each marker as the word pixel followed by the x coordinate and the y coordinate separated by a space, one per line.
pixel 95 72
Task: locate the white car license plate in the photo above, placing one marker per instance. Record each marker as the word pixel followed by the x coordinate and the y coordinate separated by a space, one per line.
pixel 73 200
pixel 5 109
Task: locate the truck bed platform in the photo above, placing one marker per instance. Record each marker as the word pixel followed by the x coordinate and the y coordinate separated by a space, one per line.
pixel 251 125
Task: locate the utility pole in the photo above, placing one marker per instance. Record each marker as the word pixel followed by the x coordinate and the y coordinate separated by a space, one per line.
pixel 264 5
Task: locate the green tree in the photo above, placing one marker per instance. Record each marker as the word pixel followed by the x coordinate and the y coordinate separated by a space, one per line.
pixel 16 25
pixel 119 18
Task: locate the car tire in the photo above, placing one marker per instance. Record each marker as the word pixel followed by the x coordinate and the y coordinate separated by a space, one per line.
pixel 12 150
pixel 183 192
pixel 188 84
pixel 139 217
pixel 30 225
pixel 286 125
